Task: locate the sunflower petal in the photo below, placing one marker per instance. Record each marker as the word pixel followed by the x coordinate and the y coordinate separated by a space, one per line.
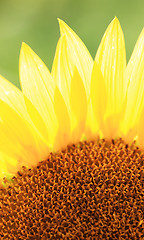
pixel 140 130
pixel 63 134
pixel 37 120
pixel 13 97
pixel 38 87
pixel 7 165
pixel 135 95
pixel 78 103
pixel 17 138
pixel 62 69
pixel 77 55
pixel 3 167
pixel 111 58
pixel 98 94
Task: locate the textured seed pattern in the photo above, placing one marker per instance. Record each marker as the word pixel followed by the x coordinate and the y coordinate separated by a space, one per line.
pixel 92 190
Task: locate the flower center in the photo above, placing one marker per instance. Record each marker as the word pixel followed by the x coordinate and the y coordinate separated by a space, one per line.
pixel 92 190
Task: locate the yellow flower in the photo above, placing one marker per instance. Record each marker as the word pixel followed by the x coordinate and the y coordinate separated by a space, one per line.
pixel 79 99
pixel 85 189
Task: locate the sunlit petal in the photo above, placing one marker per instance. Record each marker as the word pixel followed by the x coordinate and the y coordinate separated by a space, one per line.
pixel 64 130
pixel 140 130
pixel 17 139
pixel 38 87
pixel 76 55
pixel 135 95
pixel 98 95
pixel 13 97
pixel 8 165
pixel 72 87
pixel 78 103
pixel 111 58
pixel 62 70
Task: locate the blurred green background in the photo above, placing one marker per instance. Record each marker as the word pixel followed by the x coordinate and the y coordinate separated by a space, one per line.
pixel 35 22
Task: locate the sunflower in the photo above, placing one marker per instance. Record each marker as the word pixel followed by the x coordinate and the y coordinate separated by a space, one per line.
pixel 72 142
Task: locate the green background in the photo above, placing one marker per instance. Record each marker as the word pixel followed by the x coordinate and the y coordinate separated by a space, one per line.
pixel 35 22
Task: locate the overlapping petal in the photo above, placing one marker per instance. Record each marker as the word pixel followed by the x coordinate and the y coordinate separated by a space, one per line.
pixel 8 165
pixel 111 59
pixel 135 95
pixel 78 105
pixel 68 75
pixel 98 95
pixel 38 86
pixel 16 100
pixel 64 129
pixel 74 54
pixel 13 97
pixel 12 102
pixel 18 140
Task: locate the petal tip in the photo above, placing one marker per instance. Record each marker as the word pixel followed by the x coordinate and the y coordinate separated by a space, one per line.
pixel 59 20
pixel 115 22
pixel 23 46
pixel 63 26
pixel 142 33
pixel 24 49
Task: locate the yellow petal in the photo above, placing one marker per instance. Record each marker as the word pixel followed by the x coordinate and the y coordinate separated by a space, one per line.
pixel 13 97
pixel 37 120
pixel 63 134
pixel 3 167
pixel 63 69
pixel 135 95
pixel 7 165
pixel 76 54
pixel 111 58
pixel 96 104
pixel 17 140
pixel 140 130
pixel 63 74
pixel 78 103
pixel 38 87
pixel 98 95
pixel 92 127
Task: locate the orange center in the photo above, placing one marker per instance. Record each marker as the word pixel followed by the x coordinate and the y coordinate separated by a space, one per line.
pixel 92 190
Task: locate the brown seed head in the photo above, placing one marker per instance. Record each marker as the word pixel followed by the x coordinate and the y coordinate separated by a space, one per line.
pixel 88 191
